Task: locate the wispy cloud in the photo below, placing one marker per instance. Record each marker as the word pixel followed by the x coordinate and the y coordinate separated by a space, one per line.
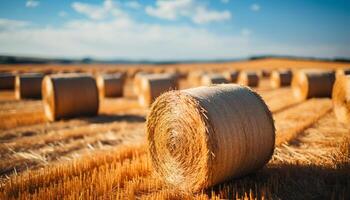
pixel 133 4
pixel 32 3
pixel 255 7
pixel 9 24
pixel 225 1
pixel 246 32
pixel 97 12
pixel 62 13
pixel 198 13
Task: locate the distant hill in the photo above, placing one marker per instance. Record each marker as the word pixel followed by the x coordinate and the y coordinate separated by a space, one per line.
pixel 34 60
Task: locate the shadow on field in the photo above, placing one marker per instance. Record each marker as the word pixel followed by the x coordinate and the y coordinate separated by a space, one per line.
pixel 289 181
pixel 104 118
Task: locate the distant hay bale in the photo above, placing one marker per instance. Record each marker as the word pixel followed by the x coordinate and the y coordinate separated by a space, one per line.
pixel 195 78
pixel 69 95
pixel 312 83
pixel 110 85
pixel 280 78
pixel 28 86
pixel 210 79
pixel 341 72
pixel 248 78
pixel 7 81
pixel 153 85
pixel 231 76
pixel 203 136
pixel 341 99
pixel 136 82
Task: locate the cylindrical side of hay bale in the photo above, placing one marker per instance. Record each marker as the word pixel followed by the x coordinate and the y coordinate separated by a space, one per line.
pixel 280 78
pixel 69 95
pixel 153 85
pixel 209 79
pixel 28 86
pixel 341 99
pixel 110 85
pixel 231 76
pixel 250 79
pixel 203 136
pixel 310 84
pixel 7 81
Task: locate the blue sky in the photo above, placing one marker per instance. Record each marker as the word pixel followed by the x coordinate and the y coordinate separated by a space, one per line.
pixel 174 29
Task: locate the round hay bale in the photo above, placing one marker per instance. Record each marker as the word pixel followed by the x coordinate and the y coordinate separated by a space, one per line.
pixel 210 79
pixel 281 78
pixel 231 76
pixel 136 83
pixel 248 78
pixel 342 72
pixel 28 86
pixel 69 95
pixel 7 81
pixel 341 99
pixel 195 78
pixel 110 85
pixel 310 84
pixel 153 85
pixel 203 136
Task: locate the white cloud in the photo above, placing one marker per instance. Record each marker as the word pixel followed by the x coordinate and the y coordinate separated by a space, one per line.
pixel 32 4
pixel 63 14
pixel 255 7
pixel 225 1
pixel 97 12
pixel 133 4
pixel 192 9
pixel 9 24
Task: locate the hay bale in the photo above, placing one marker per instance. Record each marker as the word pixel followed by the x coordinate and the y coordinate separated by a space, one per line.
pixel 311 83
pixel 137 80
pixel 195 78
pixel 7 81
pixel 69 95
pixel 203 136
pixel 28 86
pixel 248 78
pixel 280 78
pixel 341 72
pixel 266 73
pixel 341 99
pixel 210 79
pixel 110 85
pixel 153 85
pixel 231 76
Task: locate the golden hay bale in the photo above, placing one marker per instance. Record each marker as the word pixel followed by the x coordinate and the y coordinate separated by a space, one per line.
pixel 311 83
pixel 28 86
pixel 136 83
pixel 248 78
pixel 341 99
pixel 341 72
pixel 209 79
pixel 69 95
pixel 231 76
pixel 110 85
pixel 280 78
pixel 153 85
pixel 7 81
pixel 195 78
pixel 203 136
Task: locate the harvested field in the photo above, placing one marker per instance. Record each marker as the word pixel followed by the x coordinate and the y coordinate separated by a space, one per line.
pixel 106 156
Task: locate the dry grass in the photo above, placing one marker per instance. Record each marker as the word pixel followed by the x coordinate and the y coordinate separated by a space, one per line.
pixel 105 157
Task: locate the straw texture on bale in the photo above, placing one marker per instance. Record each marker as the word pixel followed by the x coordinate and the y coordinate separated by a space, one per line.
pixel 203 136
pixel 110 85
pixel 69 95
pixel 153 85
pixel 250 79
pixel 310 84
pixel 209 79
pixel 7 81
pixel 28 86
pixel 231 76
pixel 280 78
pixel 341 99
